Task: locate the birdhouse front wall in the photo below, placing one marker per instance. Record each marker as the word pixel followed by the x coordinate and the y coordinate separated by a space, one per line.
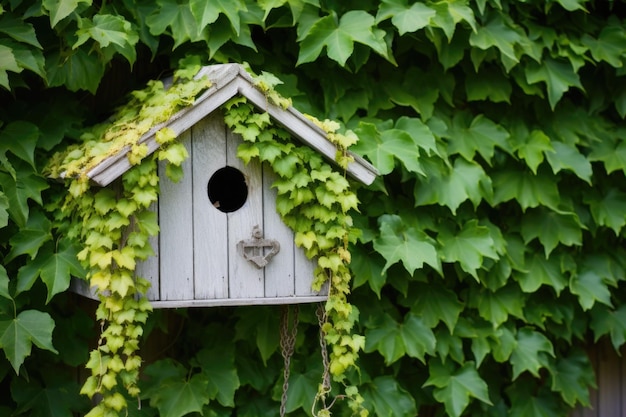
pixel 199 257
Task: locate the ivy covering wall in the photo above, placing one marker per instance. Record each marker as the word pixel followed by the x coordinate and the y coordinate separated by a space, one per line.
pixel 491 249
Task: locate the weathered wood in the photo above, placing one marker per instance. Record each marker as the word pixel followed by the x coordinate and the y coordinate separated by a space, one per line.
pixel 210 225
pixel 280 273
pixel 176 236
pixel 228 81
pixel 609 379
pixel 245 280
pixel 238 302
pixel 149 268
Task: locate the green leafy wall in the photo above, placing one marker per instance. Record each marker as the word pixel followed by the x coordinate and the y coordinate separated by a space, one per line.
pixel 492 245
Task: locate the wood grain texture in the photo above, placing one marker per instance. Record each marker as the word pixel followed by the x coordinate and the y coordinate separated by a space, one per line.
pixel 280 272
pixel 176 236
pixel 210 225
pixel 245 279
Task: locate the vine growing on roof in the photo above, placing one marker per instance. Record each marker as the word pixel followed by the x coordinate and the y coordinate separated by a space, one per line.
pixel 114 224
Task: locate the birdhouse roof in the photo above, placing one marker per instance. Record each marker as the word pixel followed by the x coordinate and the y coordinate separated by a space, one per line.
pixel 228 81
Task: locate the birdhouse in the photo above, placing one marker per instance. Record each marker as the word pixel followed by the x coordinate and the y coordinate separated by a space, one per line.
pixel 221 240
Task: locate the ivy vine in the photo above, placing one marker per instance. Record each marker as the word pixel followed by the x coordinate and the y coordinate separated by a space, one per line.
pixel 114 224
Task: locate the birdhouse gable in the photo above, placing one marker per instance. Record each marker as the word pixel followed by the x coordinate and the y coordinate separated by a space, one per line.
pixel 221 239
pixel 228 81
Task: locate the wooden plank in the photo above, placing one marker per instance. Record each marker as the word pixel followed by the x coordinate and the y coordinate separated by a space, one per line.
pixel 176 237
pixel 305 270
pixel 609 391
pixel 238 302
pixel 280 272
pixel 622 381
pixel 245 279
pixel 149 269
pixel 210 226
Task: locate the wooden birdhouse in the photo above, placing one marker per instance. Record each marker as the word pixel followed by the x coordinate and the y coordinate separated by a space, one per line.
pixel 221 240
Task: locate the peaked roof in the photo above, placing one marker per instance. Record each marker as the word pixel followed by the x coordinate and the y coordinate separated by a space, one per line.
pixel 228 81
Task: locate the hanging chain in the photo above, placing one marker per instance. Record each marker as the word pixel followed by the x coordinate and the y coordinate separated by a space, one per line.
pixel 287 345
pixel 322 320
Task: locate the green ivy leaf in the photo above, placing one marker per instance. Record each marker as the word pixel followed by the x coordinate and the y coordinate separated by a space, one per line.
pixel 455 387
pixel 60 9
pixel 394 340
pixel 4 284
pixel 59 267
pixel 529 190
pixel 490 85
pixel 533 150
pixel 172 392
pixel 468 247
pixel 530 352
pixel 406 18
pixel 368 268
pixel 551 229
pixel 568 157
pixel 58 396
pixel 178 17
pixel 76 70
pixel 206 13
pixel 572 376
pixel 498 34
pixel 611 152
pixel 558 76
pixel 434 303
pixel 450 13
pixel 339 35
pixel 384 148
pixel 606 321
pixel 218 364
pixel 609 209
pixel 478 135
pixel 4 210
pixel 30 238
pixel 8 62
pixel 388 398
pixel 302 390
pixel 540 270
pixel 464 181
pixel 525 401
pixel 27 186
pixel 399 242
pixel 19 30
pixel 109 31
pixel 609 46
pixel 496 307
pixel 20 138
pixel 590 285
pixel 19 334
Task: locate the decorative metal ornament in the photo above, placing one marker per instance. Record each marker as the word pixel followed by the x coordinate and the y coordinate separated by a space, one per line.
pixel 258 250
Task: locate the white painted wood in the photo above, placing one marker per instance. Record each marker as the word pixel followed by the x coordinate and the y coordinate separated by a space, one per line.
pixel 149 269
pixel 279 273
pixel 245 279
pixel 229 80
pixel 210 225
pixel 114 166
pixel 238 302
pixel 176 237
pixel 305 269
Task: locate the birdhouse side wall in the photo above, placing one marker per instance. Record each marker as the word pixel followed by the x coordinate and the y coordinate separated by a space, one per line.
pixel 197 261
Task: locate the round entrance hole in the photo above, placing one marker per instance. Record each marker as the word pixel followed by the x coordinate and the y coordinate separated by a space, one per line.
pixel 227 189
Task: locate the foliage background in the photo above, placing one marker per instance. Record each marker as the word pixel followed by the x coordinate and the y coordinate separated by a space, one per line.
pixel 492 247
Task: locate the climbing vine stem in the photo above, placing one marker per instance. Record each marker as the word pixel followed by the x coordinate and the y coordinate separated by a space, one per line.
pixel 114 224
